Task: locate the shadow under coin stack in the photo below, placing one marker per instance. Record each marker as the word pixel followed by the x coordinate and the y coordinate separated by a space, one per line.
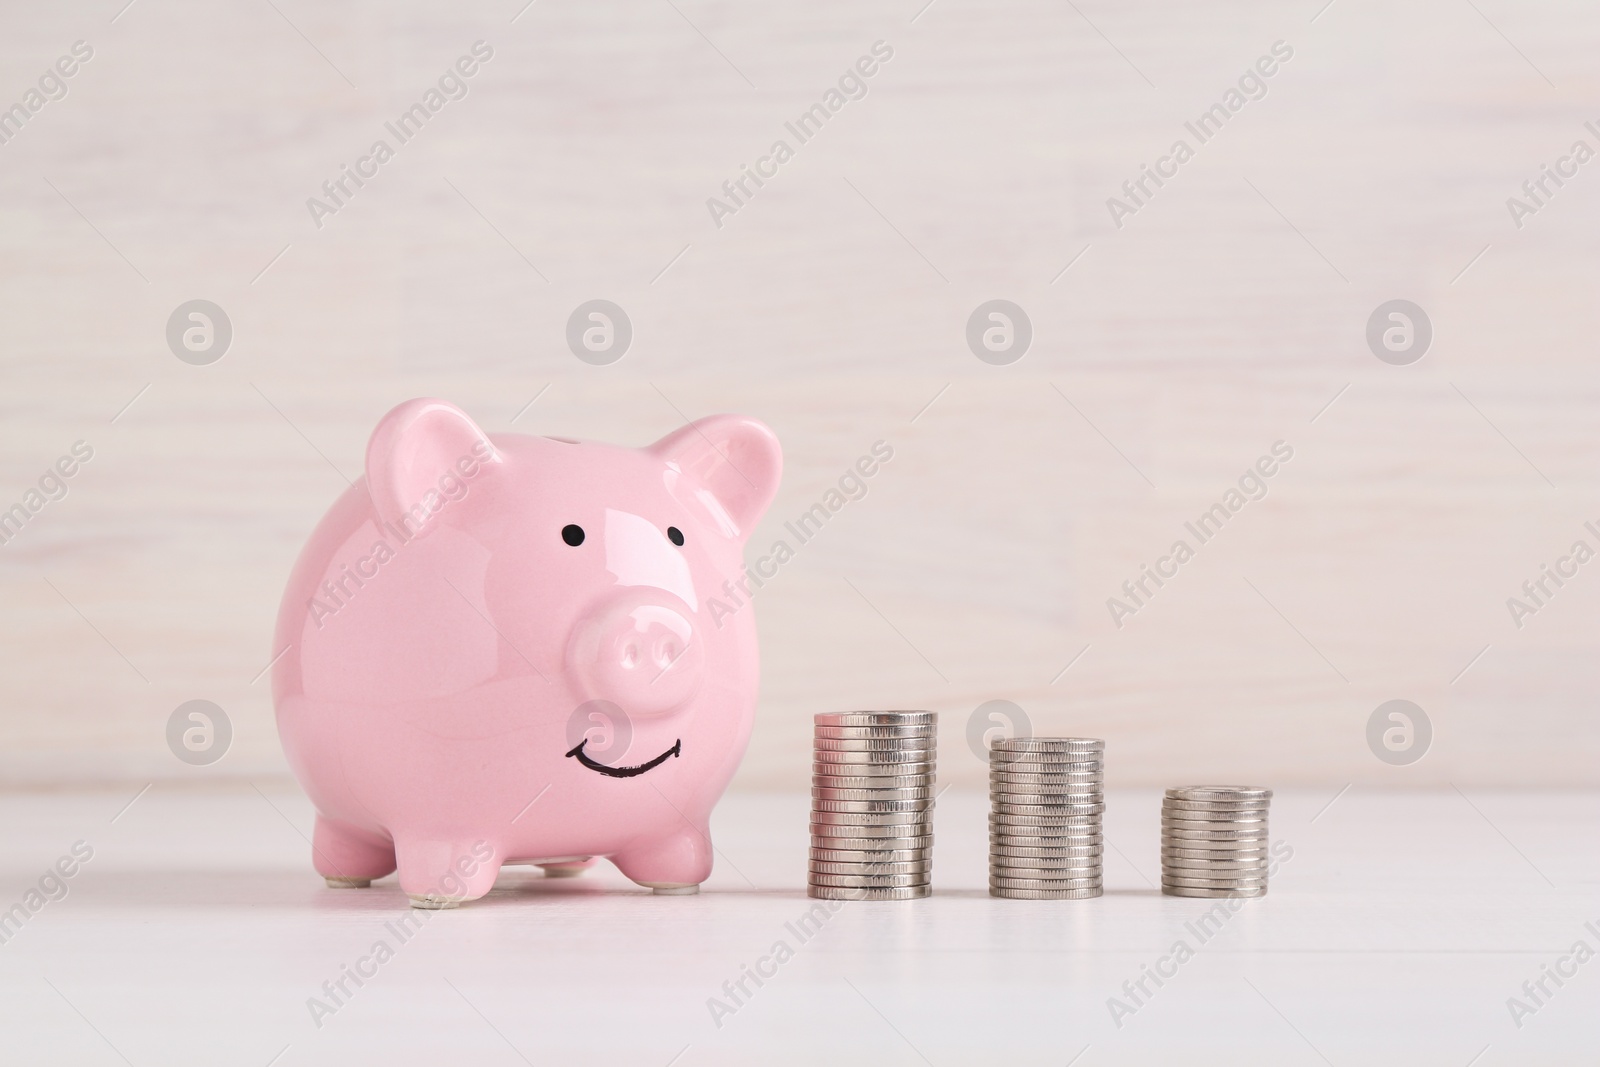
pixel 1214 841
pixel 1047 800
pixel 872 805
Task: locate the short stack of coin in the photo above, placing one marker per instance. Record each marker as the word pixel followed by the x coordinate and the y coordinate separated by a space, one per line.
pixel 1047 801
pixel 1214 841
pixel 872 793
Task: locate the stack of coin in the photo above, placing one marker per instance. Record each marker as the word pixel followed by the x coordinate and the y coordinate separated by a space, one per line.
pixel 872 805
pixel 1047 802
pixel 1214 841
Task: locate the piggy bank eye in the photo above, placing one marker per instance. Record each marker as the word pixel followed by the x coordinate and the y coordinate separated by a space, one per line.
pixel 572 535
pixel 675 535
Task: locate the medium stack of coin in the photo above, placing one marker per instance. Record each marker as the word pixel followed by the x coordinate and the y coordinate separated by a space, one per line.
pixel 1214 841
pixel 1047 801
pixel 872 805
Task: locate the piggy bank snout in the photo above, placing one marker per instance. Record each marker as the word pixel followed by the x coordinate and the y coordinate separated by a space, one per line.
pixel 639 652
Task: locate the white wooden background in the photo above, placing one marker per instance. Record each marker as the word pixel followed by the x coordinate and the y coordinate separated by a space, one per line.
pixel 1226 315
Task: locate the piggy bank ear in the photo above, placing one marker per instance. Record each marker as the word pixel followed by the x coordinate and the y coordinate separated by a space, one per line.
pixel 736 458
pixel 419 457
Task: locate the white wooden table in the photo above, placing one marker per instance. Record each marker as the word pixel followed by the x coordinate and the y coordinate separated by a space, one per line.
pixel 1395 934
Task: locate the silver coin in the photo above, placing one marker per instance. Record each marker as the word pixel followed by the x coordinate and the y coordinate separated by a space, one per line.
pixel 1039 826
pixel 1260 854
pixel 1008 756
pixel 1045 894
pixel 924 771
pixel 869 867
pixel 1221 866
pixel 878 831
pixel 902 836
pixel 840 849
pixel 1023 867
pixel 871 781
pixel 1174 804
pixel 1213 891
pixel 1077 876
pixel 1044 851
pixel 873 744
pixel 1043 883
pixel 874 869
pixel 997 774
pixel 1046 744
pixel 1077 794
pixel 1018 785
pixel 830 854
pixel 872 818
pixel 875 718
pixel 1211 894
pixel 1059 804
pixel 1218 833
pixel 1226 817
pixel 1074 803
pixel 1195 822
pixel 872 806
pixel 912 892
pixel 1220 792
pixel 1003 807
pixel 1215 814
pixel 920 820
pixel 1072 879
pixel 866 881
pixel 1027 767
pixel 1184 870
pixel 1068 801
pixel 875 731
pixel 922 757
pixel 1219 882
pixel 824 792
pixel 899 852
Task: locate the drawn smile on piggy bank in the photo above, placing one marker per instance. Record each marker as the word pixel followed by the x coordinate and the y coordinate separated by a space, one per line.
pixel 625 772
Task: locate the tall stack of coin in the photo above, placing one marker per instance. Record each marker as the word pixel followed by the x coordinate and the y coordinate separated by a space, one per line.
pixel 872 805
pixel 1047 801
pixel 1214 841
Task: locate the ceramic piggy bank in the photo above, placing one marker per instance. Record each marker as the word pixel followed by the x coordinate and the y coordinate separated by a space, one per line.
pixel 505 649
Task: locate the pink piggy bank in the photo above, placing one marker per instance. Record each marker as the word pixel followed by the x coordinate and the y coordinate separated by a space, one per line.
pixel 514 649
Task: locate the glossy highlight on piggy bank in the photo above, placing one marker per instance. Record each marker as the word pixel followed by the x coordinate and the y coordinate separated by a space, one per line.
pixel 500 651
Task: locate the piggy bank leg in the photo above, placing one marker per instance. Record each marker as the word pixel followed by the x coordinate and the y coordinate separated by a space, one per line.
pixel 671 866
pixel 349 858
pixel 444 874
pixel 567 868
